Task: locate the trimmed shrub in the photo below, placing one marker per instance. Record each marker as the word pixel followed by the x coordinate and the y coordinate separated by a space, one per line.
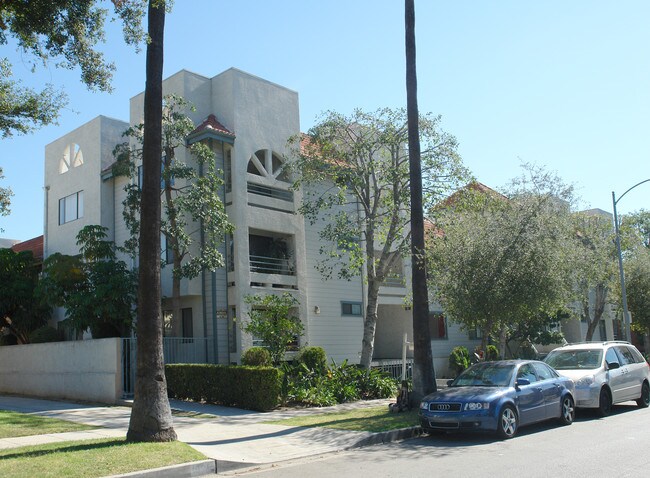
pixel 45 334
pixel 314 358
pixel 251 388
pixel 459 360
pixel 492 353
pixel 256 356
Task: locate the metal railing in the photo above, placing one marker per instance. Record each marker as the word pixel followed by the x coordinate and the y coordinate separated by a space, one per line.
pixel 270 192
pixel 175 350
pixel 393 367
pixel 394 281
pixel 271 265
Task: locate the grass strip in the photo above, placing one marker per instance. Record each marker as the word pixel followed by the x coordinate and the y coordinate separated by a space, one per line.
pixel 374 419
pixel 14 424
pixel 92 458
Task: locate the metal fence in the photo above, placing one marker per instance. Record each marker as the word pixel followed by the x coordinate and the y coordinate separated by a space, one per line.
pixel 271 265
pixel 175 350
pixel 393 367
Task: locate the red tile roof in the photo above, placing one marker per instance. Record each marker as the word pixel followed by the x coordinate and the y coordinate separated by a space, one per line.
pixel 35 245
pixel 212 124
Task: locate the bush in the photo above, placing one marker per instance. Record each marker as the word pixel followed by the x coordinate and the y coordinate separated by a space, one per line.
pixel 342 383
pixel 459 360
pixel 492 353
pixel 45 334
pixel 252 388
pixel 314 358
pixel 256 356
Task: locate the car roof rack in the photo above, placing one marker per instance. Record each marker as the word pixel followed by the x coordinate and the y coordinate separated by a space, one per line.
pixel 598 342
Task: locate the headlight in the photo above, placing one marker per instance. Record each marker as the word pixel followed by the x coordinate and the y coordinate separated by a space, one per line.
pixel 585 381
pixel 424 405
pixel 477 406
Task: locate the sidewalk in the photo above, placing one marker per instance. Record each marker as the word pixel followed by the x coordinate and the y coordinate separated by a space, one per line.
pixel 232 437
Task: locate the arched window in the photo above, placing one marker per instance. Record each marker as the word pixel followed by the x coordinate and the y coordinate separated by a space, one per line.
pixel 267 163
pixel 72 157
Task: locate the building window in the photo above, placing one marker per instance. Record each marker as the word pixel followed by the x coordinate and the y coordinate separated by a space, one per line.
pixel 187 323
pixel 351 308
pixel 438 326
pixel 168 330
pixel 71 207
pixel 72 157
pixel 475 334
pixel 166 252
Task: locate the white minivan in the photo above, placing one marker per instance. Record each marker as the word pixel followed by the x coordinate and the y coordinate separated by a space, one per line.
pixel 604 373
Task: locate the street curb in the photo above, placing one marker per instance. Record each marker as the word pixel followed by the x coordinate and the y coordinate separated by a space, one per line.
pixel 184 470
pixel 387 437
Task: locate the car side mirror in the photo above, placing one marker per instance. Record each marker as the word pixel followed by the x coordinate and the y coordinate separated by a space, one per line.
pixel 522 381
pixel 449 382
pixel 613 365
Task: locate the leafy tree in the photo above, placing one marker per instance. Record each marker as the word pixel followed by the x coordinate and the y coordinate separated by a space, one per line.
pixel 635 229
pixel 190 194
pixel 637 285
pixel 20 310
pixel 595 267
pixel 97 291
pixel 424 376
pixel 500 264
pixel 151 417
pixel 66 32
pixel 5 199
pixel 271 320
pixel 355 173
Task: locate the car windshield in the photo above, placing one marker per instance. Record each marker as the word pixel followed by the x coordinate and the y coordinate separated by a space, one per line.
pixel 575 359
pixel 485 375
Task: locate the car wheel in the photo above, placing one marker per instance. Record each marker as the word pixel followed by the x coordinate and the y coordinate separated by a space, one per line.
pixel 644 400
pixel 508 422
pixel 604 403
pixel 568 411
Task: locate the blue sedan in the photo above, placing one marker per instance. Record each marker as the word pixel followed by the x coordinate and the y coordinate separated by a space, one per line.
pixel 500 397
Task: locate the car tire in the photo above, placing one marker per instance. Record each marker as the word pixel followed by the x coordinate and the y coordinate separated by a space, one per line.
pixel 604 403
pixel 508 423
pixel 567 410
pixel 644 400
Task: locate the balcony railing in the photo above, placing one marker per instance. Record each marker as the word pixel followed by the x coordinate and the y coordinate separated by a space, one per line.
pixel 394 281
pixel 271 265
pixel 270 192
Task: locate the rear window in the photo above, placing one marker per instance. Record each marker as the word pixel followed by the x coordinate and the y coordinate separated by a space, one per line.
pixel 575 359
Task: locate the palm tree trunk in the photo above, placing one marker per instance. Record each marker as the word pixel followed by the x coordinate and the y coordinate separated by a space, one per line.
pixel 151 418
pixel 423 372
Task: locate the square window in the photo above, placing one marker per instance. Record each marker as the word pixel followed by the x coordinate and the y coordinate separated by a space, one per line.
pixel 351 308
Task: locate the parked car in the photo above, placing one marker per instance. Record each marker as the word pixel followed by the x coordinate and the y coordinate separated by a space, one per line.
pixel 499 397
pixel 605 373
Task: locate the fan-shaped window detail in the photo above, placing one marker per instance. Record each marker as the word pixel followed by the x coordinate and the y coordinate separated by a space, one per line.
pixel 72 157
pixel 267 163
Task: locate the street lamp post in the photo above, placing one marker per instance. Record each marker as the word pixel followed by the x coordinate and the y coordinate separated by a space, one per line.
pixel 626 313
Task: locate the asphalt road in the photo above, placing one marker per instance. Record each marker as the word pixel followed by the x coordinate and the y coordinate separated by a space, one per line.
pixel 616 446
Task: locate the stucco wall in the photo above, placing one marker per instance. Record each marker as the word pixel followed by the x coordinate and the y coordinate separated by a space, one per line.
pixel 88 370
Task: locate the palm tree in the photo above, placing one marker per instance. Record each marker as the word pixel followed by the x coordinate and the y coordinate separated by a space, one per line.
pixel 151 418
pixel 423 373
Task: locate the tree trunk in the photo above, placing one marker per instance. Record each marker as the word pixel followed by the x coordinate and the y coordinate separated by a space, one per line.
pixel 424 381
pixel 151 418
pixel 599 307
pixel 370 323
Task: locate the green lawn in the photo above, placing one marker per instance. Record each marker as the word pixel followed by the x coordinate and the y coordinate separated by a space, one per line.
pixel 14 424
pixel 375 419
pixel 92 458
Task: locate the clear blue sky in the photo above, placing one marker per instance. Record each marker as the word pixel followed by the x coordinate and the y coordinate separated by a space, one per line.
pixel 558 83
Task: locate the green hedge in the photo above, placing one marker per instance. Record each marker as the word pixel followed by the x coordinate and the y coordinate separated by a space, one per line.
pixel 251 388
